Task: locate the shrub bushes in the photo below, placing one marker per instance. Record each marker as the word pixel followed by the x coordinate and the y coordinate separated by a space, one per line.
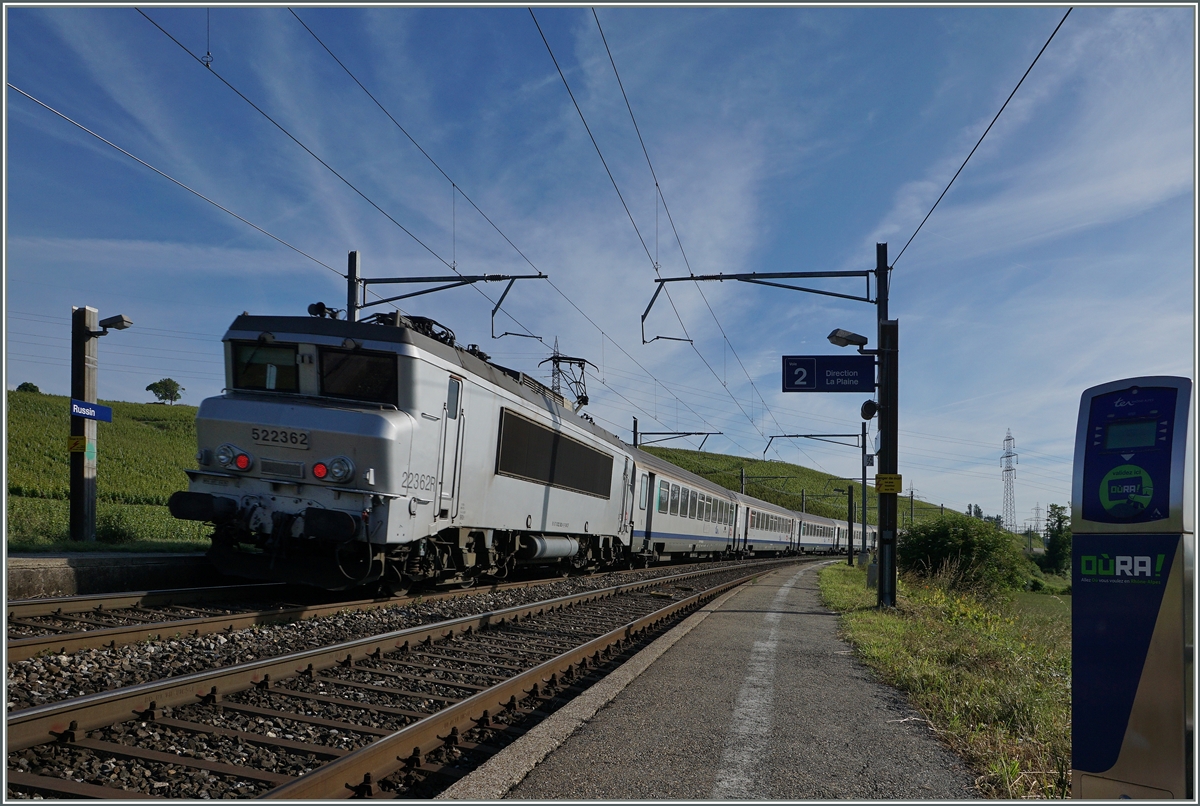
pixel 964 553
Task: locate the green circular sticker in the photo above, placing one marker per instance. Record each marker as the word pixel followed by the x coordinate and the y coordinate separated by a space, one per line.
pixel 1125 491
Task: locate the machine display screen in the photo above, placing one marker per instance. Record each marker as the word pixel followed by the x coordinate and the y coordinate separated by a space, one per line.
pixel 1137 434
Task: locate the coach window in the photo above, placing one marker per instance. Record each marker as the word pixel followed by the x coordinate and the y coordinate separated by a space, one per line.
pixel 664 495
pixel 674 499
pixel 684 492
pixel 645 489
pixel 692 505
pixel 708 510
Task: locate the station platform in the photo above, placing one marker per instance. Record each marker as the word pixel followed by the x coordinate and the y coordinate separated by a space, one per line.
pixel 752 698
pixel 30 576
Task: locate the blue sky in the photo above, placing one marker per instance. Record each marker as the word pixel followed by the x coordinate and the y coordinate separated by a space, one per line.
pixel 782 138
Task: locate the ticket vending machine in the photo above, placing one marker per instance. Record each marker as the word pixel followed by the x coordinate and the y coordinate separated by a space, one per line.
pixel 1131 574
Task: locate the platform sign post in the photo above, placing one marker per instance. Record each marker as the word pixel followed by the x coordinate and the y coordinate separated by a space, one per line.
pixel 1132 566
pixel 86 328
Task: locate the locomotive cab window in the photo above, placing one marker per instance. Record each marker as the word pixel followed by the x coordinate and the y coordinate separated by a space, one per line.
pixel 359 375
pixel 265 367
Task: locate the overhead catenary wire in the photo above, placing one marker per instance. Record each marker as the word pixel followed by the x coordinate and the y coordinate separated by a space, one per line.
pixel 170 178
pixel 985 133
pixel 328 167
pixel 678 240
pixel 641 240
pixel 494 226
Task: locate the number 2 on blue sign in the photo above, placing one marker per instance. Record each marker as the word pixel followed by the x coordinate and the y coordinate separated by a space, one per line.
pixel 801 375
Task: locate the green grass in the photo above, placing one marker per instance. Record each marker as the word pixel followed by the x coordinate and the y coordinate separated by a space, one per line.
pixel 818 488
pixel 141 456
pixel 993 679
pixel 43 525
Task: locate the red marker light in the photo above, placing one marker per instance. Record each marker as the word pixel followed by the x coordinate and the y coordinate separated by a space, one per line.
pixel 320 470
pixel 242 462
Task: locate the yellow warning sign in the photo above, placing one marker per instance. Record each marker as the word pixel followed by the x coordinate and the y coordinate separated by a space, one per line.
pixel 889 483
pixel 76 444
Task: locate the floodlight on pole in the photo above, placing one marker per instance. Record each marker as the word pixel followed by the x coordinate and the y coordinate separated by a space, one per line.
pixel 845 338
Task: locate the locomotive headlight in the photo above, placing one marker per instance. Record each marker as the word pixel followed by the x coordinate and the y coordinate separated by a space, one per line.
pixel 234 458
pixel 341 469
pixel 225 454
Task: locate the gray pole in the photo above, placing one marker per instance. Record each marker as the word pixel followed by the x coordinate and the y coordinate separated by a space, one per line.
pixel 803 505
pixel 743 479
pixel 352 286
pixel 635 433
pixel 84 324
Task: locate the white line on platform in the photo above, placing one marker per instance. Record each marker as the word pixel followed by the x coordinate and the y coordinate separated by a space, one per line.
pixel 745 745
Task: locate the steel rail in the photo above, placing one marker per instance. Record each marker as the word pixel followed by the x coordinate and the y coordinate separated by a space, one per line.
pixel 24 608
pixel 378 760
pixel 41 724
pixel 109 637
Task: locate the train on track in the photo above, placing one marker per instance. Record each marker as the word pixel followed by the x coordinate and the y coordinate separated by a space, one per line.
pixel 349 453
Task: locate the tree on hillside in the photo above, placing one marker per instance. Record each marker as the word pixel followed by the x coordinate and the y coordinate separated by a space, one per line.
pixel 166 390
pixel 28 387
pixel 1058 549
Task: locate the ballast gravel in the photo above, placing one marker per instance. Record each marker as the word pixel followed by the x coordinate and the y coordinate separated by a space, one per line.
pixel 52 678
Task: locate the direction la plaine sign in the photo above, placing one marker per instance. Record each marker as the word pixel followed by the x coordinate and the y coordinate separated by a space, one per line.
pixel 829 373
pixel 90 411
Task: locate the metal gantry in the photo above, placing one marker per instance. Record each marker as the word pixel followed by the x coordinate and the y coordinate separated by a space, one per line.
pixel 887 361
pixel 356 289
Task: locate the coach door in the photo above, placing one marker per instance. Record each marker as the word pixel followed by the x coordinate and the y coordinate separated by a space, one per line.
pixel 450 478
pixel 627 481
pixel 651 505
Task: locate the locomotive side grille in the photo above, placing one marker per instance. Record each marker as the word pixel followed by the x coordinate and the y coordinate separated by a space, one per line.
pixel 542 389
pixel 273 467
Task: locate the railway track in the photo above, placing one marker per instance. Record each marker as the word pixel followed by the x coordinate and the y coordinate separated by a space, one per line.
pixel 69 624
pixel 401 714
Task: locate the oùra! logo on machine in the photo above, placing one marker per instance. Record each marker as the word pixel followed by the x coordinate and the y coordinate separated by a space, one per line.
pixel 1125 491
pixel 1133 566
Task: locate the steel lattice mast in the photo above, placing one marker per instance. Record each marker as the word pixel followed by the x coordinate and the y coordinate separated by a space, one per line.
pixel 1010 475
